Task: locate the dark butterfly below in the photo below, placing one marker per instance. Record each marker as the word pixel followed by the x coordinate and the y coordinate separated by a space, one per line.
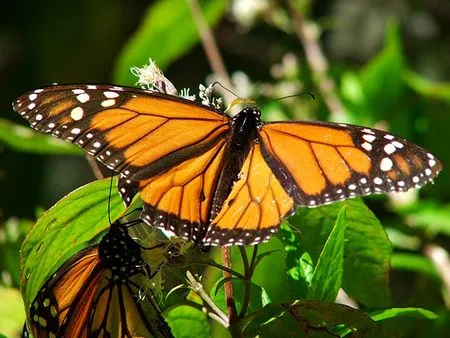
pixel 97 293
pixel 217 180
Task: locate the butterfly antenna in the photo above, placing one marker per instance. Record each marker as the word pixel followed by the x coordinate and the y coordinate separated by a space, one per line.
pixel 109 199
pixel 286 97
pixel 228 90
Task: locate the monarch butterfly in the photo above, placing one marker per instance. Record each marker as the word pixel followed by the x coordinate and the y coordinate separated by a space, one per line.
pixel 218 180
pixel 95 294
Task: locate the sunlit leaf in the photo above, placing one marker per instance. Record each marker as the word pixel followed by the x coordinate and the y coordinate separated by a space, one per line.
pixel 367 248
pixel 187 322
pixel 167 32
pixel 327 278
pixel 70 225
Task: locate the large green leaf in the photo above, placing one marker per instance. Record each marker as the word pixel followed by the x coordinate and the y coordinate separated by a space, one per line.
pixel 70 225
pixel 367 248
pixel 382 77
pixel 186 322
pixel 327 278
pixel 26 139
pixel 167 32
pixel 299 265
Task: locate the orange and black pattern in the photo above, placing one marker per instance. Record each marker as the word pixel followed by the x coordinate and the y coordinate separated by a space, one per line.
pixel 96 293
pixel 217 180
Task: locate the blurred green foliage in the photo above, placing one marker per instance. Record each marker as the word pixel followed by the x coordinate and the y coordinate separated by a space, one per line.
pixel 389 65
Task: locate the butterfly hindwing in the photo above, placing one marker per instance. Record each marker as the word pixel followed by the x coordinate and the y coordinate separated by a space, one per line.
pixel 254 208
pixel 325 162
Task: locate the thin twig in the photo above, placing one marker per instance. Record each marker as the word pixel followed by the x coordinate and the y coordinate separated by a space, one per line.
pixel 217 65
pixel 211 50
pixel 317 62
pixel 219 266
pixel 95 167
pixel 203 309
pixel 441 260
pixel 198 289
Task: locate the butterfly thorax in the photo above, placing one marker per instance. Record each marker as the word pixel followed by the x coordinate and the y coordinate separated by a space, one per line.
pixel 120 253
pixel 244 132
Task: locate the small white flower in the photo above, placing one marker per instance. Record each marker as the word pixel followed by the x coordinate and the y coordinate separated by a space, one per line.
pixel 185 94
pixel 152 78
pixel 246 11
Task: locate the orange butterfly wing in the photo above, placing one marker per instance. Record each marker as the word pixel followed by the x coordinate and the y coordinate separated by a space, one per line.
pixel 137 132
pixel 318 162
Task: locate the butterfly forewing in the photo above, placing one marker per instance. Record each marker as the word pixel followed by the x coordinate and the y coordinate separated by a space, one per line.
pixel 318 163
pixel 137 132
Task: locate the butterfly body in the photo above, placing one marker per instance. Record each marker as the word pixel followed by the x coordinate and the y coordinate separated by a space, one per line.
pixel 217 180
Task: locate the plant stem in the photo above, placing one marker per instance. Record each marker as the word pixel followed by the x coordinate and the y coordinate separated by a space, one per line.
pixel 228 286
pixel 198 288
pixel 95 167
pixel 317 62
pixel 441 260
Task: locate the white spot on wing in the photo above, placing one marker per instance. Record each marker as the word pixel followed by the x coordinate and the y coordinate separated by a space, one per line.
pixel 377 180
pixel 389 148
pixel 110 95
pixel 386 164
pixel 77 113
pixel 108 103
pixel 83 98
pixel 366 146
pixel 32 97
pixel 369 138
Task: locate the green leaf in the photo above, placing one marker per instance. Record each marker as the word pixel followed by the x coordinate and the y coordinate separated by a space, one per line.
pixel 382 78
pixel 12 314
pixel 299 265
pixel 415 263
pixel 310 318
pixel 367 248
pixel 66 228
pixel 167 32
pixel 328 272
pixel 430 216
pixel 272 321
pixel 426 87
pixel 186 322
pixel 26 139
pixel 256 295
pixel 412 312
